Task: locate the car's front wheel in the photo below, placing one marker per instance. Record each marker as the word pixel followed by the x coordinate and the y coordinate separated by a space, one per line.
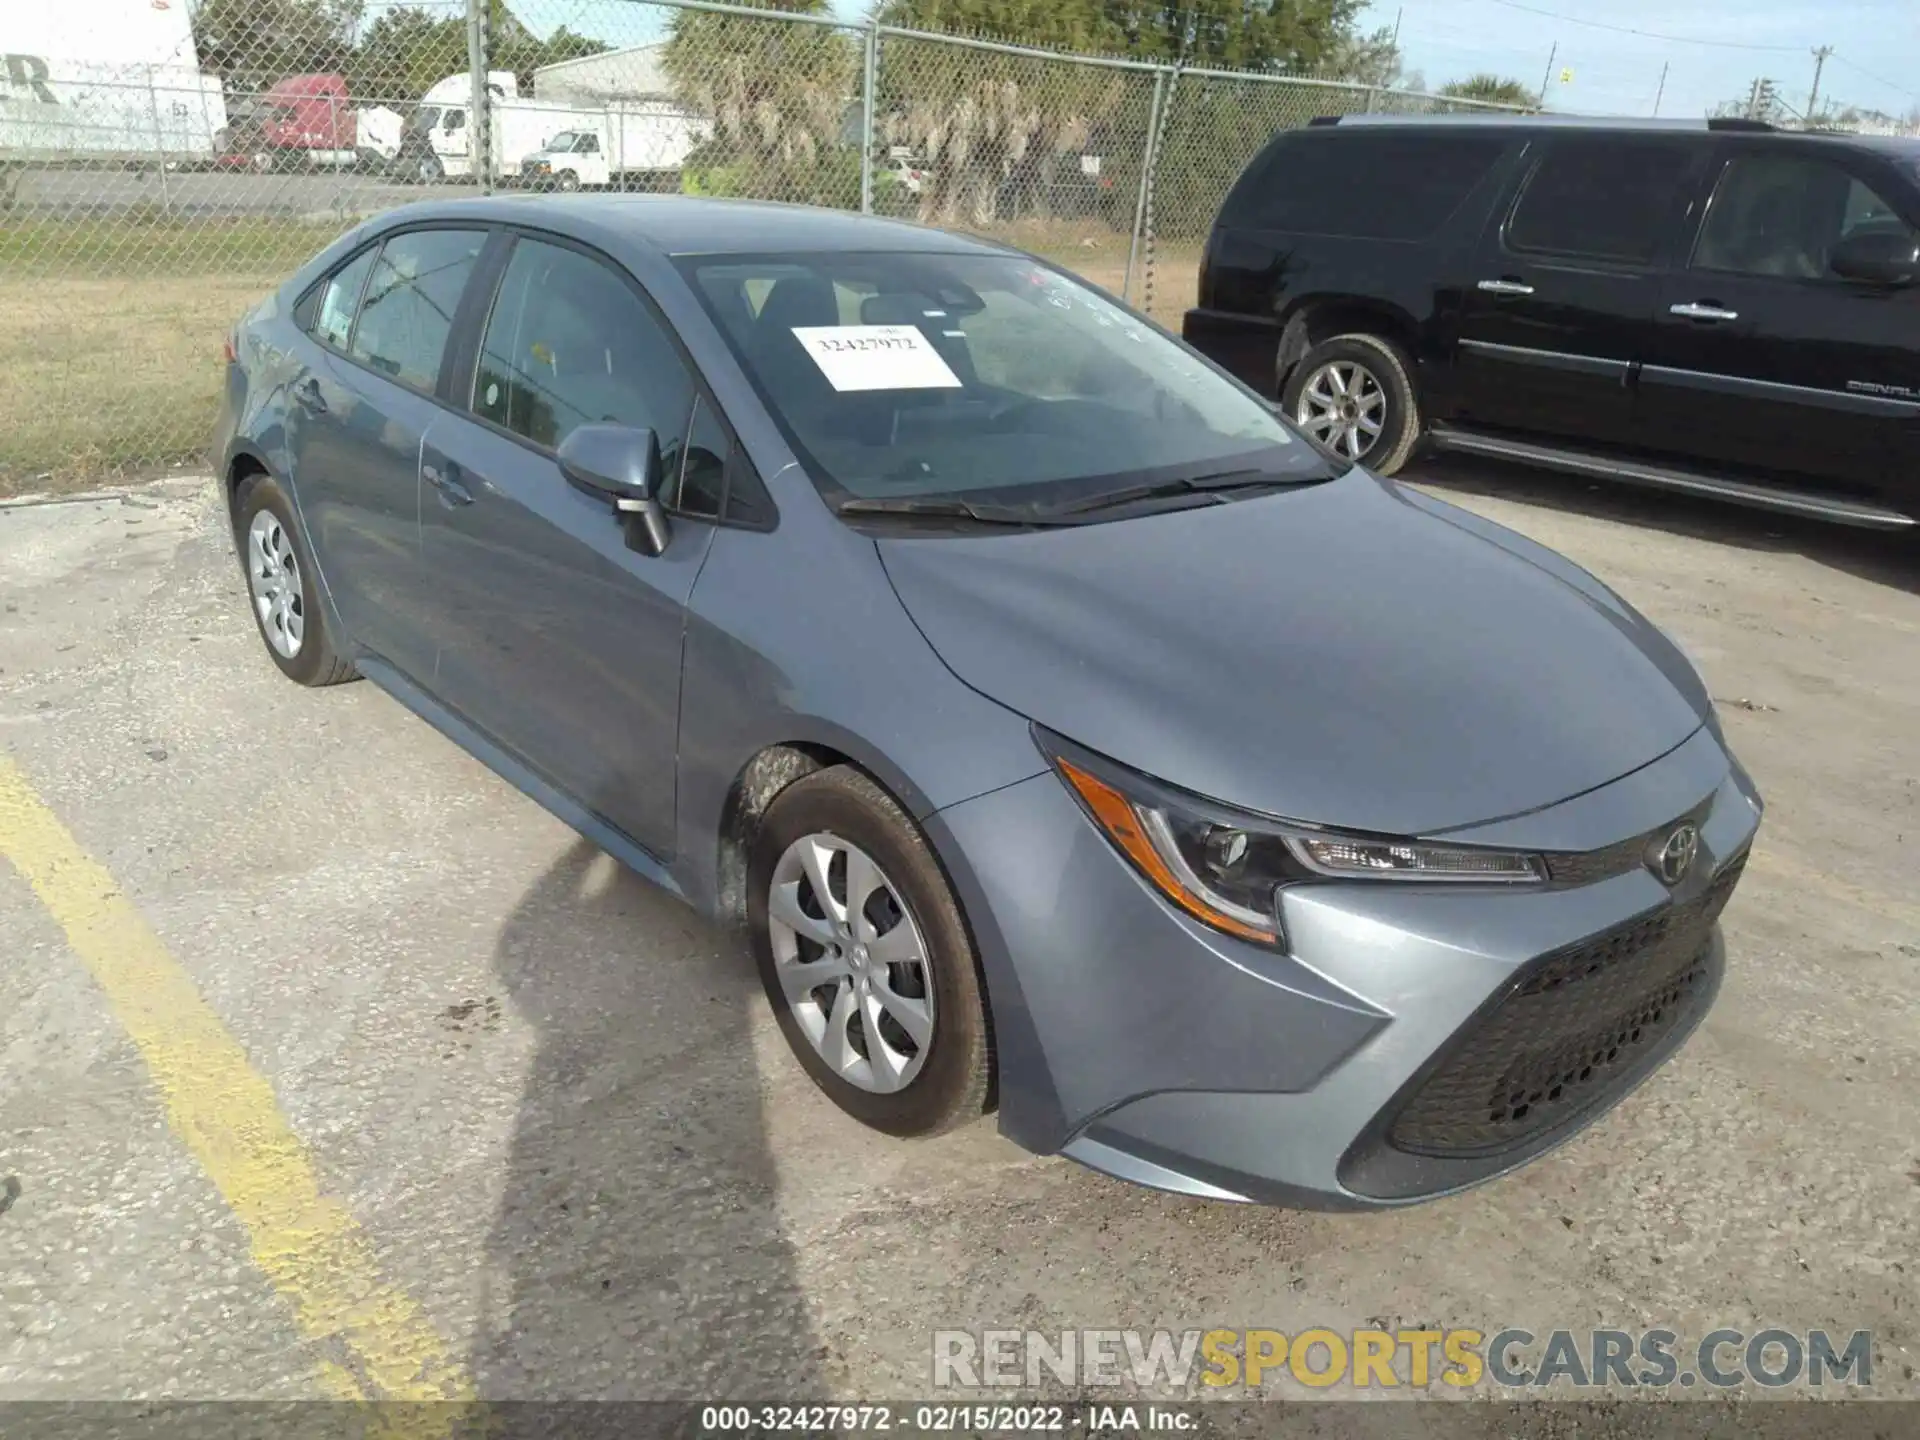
pixel 281 585
pixel 1354 395
pixel 865 956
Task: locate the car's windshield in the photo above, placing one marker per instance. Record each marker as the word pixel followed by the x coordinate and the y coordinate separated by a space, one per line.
pixel 914 375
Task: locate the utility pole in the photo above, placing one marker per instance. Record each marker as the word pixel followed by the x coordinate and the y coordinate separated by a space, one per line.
pixel 1819 64
pixel 1662 90
pixel 1396 28
pixel 1547 79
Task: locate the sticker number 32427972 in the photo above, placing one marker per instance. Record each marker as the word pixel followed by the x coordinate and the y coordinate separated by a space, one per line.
pixel 876 357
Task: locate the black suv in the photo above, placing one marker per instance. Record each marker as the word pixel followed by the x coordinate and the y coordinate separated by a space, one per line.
pixel 1719 307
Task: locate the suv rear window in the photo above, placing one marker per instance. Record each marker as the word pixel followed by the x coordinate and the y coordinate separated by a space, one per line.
pixel 1380 185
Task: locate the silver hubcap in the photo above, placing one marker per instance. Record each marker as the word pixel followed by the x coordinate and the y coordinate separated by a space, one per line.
pixel 1344 407
pixel 851 961
pixel 275 577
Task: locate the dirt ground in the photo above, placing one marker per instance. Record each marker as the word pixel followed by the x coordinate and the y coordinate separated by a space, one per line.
pixel 322 1043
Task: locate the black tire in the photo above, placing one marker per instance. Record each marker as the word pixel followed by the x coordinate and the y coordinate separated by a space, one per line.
pixel 318 661
pixel 955 1078
pixel 566 182
pixel 1387 363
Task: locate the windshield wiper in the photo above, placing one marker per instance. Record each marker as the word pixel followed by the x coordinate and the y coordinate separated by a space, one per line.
pixel 1219 483
pixel 932 509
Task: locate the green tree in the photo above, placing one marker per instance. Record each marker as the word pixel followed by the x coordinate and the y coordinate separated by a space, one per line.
pixel 1371 59
pixel 777 94
pixel 251 44
pixel 1297 36
pixel 407 49
pixel 404 51
pixel 1492 89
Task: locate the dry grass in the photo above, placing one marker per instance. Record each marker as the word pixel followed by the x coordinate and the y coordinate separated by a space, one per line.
pixel 99 377
pixel 110 339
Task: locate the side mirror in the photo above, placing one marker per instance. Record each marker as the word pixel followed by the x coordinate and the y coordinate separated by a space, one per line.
pixel 621 465
pixel 1878 257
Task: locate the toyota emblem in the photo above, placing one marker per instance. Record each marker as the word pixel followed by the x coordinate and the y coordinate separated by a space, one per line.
pixel 1674 858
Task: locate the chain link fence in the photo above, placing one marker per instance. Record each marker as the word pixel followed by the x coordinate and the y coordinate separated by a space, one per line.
pixel 145 205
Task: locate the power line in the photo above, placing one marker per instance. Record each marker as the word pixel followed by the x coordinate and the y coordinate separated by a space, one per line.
pixel 1646 34
pixel 1877 79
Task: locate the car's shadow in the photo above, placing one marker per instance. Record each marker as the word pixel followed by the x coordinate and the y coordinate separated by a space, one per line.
pixel 1891 559
pixel 637 1253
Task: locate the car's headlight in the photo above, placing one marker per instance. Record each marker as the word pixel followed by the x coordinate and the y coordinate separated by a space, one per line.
pixel 1227 867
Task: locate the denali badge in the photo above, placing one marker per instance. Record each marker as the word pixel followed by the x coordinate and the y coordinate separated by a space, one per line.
pixel 1675 855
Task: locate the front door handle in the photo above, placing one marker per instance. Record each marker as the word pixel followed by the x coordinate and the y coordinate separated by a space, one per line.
pixel 1694 310
pixel 307 393
pixel 1505 287
pixel 452 492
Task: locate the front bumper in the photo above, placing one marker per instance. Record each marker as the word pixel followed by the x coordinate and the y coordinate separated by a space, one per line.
pixel 1370 1065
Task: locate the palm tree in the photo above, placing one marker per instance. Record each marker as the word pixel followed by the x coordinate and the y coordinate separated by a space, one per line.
pixel 981 118
pixel 777 92
pixel 1491 89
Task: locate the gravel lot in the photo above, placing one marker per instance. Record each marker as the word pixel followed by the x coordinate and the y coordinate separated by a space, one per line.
pixel 556 1106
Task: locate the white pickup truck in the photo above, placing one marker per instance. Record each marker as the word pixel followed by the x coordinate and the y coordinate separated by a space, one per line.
pixel 638 146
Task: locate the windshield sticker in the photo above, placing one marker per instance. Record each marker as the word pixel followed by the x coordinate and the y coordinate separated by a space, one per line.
pixel 876 357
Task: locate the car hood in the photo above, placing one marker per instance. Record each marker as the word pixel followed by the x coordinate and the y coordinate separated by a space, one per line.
pixel 1352 653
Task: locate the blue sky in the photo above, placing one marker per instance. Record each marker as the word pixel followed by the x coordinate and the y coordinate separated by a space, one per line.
pixel 1713 49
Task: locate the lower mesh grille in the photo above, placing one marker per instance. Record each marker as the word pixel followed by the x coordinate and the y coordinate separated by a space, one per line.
pixel 1574 1025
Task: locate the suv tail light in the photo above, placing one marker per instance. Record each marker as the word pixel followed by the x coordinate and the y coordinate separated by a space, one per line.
pixel 229 352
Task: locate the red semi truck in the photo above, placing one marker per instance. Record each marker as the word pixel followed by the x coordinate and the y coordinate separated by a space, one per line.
pixel 311 122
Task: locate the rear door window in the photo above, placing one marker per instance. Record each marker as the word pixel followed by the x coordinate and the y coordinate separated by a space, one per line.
pixel 1378 185
pixel 410 301
pixel 1601 198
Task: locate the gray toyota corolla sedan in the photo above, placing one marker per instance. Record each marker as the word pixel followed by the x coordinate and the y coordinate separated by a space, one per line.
pixel 1072 738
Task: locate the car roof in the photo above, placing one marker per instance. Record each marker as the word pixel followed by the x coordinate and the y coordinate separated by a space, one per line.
pixel 693 225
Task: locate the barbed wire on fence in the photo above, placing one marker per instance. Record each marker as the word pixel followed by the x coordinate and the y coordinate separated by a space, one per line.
pixel 144 207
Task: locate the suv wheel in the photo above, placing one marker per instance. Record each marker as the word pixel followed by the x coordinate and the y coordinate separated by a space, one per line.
pixel 865 957
pixel 1354 395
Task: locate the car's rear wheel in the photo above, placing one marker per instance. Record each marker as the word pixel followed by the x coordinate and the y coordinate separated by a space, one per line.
pixel 282 588
pixel 865 957
pixel 1354 395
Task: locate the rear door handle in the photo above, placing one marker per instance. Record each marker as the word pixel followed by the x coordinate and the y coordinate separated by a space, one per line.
pixel 307 393
pixel 452 492
pixel 1694 310
pixel 1505 287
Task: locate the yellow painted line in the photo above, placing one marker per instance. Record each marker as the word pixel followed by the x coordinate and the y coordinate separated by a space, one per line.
pixel 375 1342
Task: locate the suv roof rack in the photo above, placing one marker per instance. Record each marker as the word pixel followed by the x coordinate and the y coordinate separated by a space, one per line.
pixel 1737 122
pixel 1537 119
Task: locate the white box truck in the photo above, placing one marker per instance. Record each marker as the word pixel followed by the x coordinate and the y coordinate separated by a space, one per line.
pixel 104 79
pixel 632 145
pixel 440 144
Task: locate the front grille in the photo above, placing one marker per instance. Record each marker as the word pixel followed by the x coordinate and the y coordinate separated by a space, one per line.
pixel 1622 858
pixel 1573 1025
